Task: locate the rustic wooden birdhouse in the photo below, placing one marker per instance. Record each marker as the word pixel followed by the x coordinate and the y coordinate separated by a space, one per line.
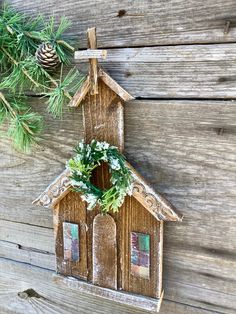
pixel 117 256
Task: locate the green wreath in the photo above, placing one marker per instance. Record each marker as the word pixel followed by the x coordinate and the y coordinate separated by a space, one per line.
pixel 90 156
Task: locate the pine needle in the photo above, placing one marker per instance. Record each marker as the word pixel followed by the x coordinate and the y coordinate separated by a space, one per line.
pixel 20 37
pixel 3 113
pixel 54 35
pixel 24 130
pixel 24 30
pixel 25 125
pixel 58 97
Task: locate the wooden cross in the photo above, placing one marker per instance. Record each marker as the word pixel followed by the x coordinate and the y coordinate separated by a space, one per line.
pixel 92 53
pixel 91 85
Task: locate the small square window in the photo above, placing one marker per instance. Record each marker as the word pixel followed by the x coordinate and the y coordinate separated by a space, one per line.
pixel 140 254
pixel 71 241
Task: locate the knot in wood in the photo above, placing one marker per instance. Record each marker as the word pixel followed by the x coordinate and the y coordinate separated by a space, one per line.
pixel 29 293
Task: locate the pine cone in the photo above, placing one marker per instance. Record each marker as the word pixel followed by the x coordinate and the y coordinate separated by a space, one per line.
pixel 47 57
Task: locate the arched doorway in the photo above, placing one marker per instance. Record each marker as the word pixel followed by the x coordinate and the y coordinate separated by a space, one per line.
pixel 104 252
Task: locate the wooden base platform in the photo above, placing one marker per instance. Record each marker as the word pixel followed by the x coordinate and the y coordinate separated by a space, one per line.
pixel 134 300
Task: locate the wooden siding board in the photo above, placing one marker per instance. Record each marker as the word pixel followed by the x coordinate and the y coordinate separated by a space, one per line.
pixel 199 71
pixel 29 255
pixel 29 175
pixel 17 277
pixel 196 137
pixel 30 236
pixel 186 267
pixel 146 23
pixel 187 150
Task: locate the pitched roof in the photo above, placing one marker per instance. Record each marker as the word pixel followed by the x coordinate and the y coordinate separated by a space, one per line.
pixel 108 80
pixel 152 200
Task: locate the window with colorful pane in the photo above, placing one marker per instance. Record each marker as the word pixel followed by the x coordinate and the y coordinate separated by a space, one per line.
pixel 140 255
pixel 71 241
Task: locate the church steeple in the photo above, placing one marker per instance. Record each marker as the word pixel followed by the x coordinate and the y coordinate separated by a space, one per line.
pixel 102 99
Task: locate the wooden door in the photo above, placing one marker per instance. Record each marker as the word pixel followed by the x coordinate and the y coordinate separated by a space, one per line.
pixel 104 248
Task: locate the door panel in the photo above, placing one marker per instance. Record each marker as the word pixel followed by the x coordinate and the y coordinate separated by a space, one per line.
pixel 104 249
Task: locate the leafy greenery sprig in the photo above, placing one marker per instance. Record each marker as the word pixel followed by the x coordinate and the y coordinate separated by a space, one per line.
pixel 88 157
pixel 20 36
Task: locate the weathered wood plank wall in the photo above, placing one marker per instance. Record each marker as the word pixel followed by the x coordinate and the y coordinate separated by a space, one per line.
pixel 185 148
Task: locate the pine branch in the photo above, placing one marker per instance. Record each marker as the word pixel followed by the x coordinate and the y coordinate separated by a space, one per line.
pixel 65 44
pixel 13 112
pixel 36 36
pixel 23 138
pixel 37 84
pixel 57 97
pixel 22 69
pixel 20 36
pixel 24 125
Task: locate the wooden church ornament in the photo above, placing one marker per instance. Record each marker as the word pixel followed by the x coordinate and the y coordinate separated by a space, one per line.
pixel 117 256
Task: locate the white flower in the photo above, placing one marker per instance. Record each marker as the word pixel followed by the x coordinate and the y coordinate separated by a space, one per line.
pixel 80 184
pixel 105 145
pixel 88 151
pixel 91 199
pixel 102 146
pixel 114 164
pixel 77 158
pixel 81 145
pixel 98 146
pixel 104 157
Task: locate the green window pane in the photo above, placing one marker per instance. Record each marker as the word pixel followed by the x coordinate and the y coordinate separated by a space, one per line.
pixel 71 241
pixel 140 254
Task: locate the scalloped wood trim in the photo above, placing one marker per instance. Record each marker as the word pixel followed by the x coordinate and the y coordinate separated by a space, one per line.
pixel 56 191
pixel 152 200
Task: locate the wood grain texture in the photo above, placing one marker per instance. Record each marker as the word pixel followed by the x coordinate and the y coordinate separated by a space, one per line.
pixel 135 218
pixel 28 175
pixel 186 149
pixel 152 200
pixel 18 233
pixel 93 62
pixel 30 255
pixel 101 113
pixel 199 71
pixel 71 209
pixel 52 298
pixel 80 94
pixel 108 80
pixel 90 53
pixel 146 23
pixel 104 252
